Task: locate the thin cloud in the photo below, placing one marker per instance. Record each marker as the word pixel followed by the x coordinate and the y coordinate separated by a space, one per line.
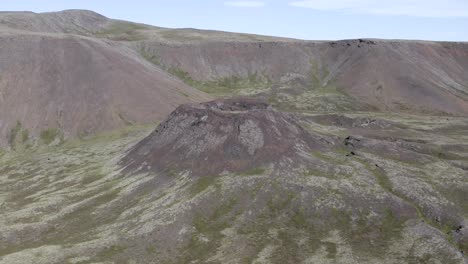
pixel 416 8
pixel 245 3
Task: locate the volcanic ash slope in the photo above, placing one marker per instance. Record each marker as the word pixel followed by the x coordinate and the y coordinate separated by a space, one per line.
pixel 223 136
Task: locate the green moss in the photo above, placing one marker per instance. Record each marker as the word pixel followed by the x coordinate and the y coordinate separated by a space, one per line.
pixel 207 236
pixel 380 176
pixel 234 85
pixel 153 58
pixel 111 252
pixel 224 209
pixel 179 35
pixel 124 31
pixel 317 173
pixel 299 219
pixel 92 176
pixel 183 75
pixel 202 184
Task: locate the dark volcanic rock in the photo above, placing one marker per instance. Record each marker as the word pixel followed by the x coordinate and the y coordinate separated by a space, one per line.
pixel 221 136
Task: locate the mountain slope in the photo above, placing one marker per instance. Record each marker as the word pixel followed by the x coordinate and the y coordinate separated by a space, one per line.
pixel 70 21
pixel 78 86
pixel 426 77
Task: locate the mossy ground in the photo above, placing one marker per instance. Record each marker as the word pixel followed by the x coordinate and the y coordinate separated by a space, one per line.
pixel 337 208
pixel 123 31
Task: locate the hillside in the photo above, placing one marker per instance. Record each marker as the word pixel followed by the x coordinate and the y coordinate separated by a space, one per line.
pixel 389 75
pixel 60 55
pixel 56 86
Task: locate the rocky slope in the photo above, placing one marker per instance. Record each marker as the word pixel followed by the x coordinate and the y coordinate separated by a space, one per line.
pixel 64 86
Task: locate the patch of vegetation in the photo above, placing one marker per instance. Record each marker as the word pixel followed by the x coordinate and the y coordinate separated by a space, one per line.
pixel 110 252
pixel 382 179
pixel 49 135
pixel 224 209
pixel 126 122
pixel 123 31
pixel 289 250
pixel 331 249
pixel 183 75
pixel 391 224
pixel 202 184
pixel 179 35
pixel 357 234
pixel 236 85
pixel 318 173
pixel 299 219
pixel 18 136
pixel 151 249
pixel 14 133
pixel 232 85
pixel 278 203
pixel 92 175
pixel 24 136
pixel 330 157
pixel 380 176
pixel 151 57
pixel 207 238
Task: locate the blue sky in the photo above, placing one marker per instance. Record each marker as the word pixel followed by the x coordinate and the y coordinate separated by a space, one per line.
pixel 310 19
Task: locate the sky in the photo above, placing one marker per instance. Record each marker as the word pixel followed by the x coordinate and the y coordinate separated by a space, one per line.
pixel 442 20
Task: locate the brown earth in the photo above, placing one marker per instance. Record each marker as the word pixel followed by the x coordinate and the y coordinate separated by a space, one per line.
pixel 77 86
pixel 222 136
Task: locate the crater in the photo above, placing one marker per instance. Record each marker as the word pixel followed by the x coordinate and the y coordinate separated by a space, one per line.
pixel 231 135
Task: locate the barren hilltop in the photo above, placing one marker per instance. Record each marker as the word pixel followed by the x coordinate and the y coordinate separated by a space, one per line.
pixel 128 143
